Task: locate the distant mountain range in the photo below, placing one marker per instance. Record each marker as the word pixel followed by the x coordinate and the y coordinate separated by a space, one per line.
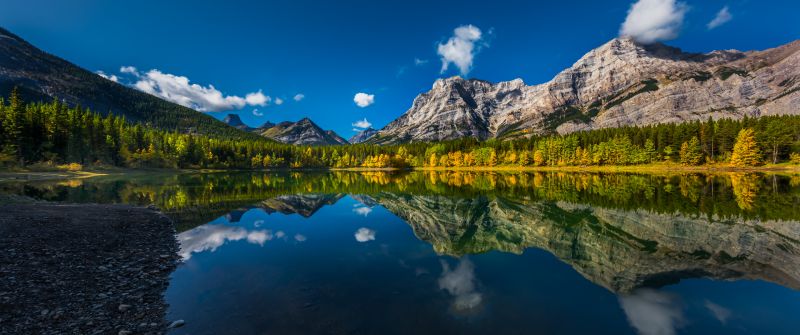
pixel 363 135
pixel 40 76
pixel 303 132
pixel 621 83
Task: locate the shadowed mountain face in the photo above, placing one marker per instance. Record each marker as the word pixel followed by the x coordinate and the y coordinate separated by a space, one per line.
pixel 235 121
pixel 621 83
pixel 303 204
pixel 304 132
pixel 363 135
pixel 40 76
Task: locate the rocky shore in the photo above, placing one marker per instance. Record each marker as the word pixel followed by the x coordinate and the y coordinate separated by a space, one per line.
pixel 84 269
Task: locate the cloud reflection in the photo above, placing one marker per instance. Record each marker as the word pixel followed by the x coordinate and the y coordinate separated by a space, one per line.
pixel 365 235
pixel 363 211
pixel 460 283
pixel 720 313
pixel 211 236
pixel 652 312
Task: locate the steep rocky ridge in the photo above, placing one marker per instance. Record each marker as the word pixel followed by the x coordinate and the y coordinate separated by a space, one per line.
pixel 620 83
pixel 304 132
pixel 363 135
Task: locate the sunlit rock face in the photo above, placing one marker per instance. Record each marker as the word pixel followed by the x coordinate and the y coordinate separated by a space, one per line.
pixel 620 83
pixel 618 249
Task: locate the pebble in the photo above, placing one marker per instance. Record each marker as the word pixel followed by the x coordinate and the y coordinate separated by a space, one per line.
pixel 177 323
pixel 86 280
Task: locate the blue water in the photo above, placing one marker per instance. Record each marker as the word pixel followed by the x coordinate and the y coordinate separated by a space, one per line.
pixel 354 269
pixel 471 253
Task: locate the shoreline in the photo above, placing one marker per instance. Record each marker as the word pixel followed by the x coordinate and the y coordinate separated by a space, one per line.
pixel 649 168
pixel 106 268
pixel 660 168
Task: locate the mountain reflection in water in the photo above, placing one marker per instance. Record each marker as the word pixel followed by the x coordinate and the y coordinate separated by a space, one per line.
pixel 631 234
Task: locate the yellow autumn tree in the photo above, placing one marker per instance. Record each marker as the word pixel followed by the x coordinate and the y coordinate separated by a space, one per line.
pixel 492 158
pixel 538 158
pixel 745 151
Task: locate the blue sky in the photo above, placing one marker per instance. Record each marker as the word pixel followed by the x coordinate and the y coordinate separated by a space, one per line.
pixel 330 51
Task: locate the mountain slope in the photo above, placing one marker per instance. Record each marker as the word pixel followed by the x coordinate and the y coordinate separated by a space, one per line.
pixel 303 132
pixel 235 121
pixel 363 135
pixel 620 83
pixel 40 76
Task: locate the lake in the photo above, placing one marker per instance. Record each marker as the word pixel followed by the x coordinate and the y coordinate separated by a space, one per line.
pixel 471 252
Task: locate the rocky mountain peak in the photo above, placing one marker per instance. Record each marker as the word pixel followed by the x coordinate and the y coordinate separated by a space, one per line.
pixel 620 83
pixel 233 120
pixel 363 135
pixel 304 132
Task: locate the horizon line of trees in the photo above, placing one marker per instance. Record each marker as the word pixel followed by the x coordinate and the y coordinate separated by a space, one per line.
pixel 55 133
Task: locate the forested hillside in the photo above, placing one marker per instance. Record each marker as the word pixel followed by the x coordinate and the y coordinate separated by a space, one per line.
pixel 40 76
pixel 56 133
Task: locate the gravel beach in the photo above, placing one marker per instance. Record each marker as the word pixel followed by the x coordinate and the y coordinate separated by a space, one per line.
pixel 84 269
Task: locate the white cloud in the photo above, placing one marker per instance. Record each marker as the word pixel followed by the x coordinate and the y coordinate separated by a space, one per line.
pixel 129 69
pixel 257 99
pixel 365 234
pixel 419 62
pixel 362 124
pixel 652 312
pixel 364 211
pixel 278 101
pixel 112 77
pixel 179 90
pixel 723 16
pixel 651 21
pixel 299 96
pixel 720 313
pixel 460 49
pixel 363 99
pixel 460 283
pixel 257 113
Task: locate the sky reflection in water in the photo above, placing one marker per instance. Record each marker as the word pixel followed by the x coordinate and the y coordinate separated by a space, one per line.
pixel 473 253
pixel 369 265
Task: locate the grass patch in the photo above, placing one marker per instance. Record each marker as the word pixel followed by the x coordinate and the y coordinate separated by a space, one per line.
pixel 701 76
pixel 726 72
pixel 649 85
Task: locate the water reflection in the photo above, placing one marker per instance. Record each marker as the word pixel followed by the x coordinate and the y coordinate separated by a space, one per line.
pixel 652 312
pixel 365 235
pixel 633 236
pixel 720 313
pixel 207 238
pixel 461 284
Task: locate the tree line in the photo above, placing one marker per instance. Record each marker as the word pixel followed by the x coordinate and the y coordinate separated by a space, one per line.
pixel 58 134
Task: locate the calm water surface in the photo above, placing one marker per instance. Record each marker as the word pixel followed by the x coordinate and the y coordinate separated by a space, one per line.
pixel 472 253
